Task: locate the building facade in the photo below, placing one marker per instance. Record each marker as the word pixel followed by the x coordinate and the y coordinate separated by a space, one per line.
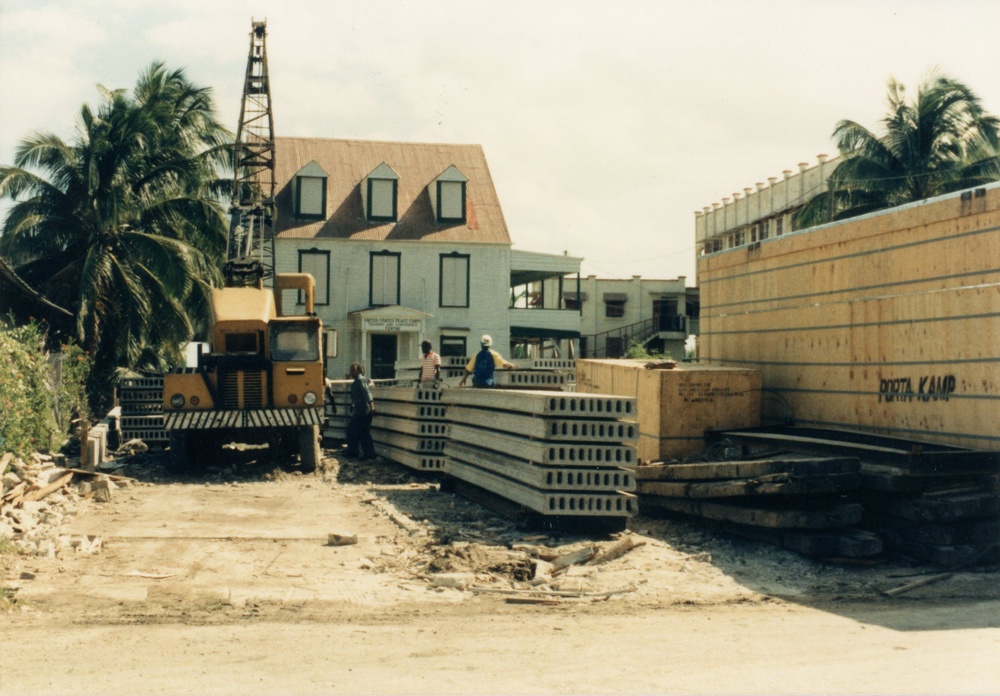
pixel 764 211
pixel 659 315
pixel 406 241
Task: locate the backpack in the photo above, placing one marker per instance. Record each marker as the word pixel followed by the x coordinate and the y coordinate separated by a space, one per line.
pixel 482 372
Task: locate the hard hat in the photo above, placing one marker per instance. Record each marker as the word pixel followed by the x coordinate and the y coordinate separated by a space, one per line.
pixel 486 340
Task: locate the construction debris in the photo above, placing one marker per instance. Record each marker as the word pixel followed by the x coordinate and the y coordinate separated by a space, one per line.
pixel 341 539
pixel 902 589
pixel 38 495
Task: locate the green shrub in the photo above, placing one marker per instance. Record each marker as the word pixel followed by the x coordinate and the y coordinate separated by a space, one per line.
pixel 637 351
pixel 39 392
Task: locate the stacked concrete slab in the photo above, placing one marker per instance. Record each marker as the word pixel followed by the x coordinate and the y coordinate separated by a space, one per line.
pixel 338 408
pixel 555 454
pixel 410 427
pixel 529 373
pixel 141 401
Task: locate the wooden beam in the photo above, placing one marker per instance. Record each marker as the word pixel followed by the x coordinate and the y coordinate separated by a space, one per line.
pixel 775 484
pixel 710 471
pixel 54 486
pixel 822 518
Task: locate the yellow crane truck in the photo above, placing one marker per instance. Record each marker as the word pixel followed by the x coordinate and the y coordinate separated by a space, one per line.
pixel 262 382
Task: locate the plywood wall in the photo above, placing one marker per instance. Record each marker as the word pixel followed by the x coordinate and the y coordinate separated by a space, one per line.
pixel 889 323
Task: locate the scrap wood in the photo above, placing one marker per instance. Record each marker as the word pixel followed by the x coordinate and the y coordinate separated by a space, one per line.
pixel 819 517
pixel 151 576
pixel 902 589
pixel 553 593
pixel 772 484
pixel 393 514
pixel 617 550
pixel 547 601
pixel 15 492
pixel 5 460
pixel 113 477
pixel 54 486
pixel 580 556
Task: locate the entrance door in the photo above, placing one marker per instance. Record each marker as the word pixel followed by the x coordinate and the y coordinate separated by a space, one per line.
pixel 383 356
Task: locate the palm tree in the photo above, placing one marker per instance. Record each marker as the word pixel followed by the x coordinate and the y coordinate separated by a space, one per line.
pixel 123 225
pixel 941 142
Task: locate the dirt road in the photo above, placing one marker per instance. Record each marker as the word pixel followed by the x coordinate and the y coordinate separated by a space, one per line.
pixel 230 587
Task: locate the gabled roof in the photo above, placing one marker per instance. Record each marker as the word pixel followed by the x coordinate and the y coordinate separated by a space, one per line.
pixel 418 165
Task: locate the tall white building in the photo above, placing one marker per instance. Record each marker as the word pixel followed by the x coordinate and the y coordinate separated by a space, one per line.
pixel 406 241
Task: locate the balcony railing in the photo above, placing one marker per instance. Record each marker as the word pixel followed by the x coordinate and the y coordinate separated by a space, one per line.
pixel 599 345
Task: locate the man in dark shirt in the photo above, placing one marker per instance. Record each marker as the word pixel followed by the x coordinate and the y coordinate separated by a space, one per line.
pixel 359 429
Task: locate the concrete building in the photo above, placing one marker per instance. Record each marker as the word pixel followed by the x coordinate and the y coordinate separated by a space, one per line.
pixel 764 211
pixel 614 314
pixel 407 242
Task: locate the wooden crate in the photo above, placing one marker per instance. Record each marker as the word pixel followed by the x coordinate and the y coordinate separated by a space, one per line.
pixel 677 406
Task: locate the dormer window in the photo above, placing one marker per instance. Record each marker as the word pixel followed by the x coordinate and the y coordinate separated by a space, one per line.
pixel 309 192
pixel 379 191
pixel 448 195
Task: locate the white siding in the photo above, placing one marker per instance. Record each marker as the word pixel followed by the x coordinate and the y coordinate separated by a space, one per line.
pixel 489 291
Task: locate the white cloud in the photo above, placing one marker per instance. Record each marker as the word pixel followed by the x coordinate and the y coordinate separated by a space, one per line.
pixel 605 124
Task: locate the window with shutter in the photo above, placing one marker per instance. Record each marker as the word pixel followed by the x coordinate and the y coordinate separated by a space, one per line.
pixel 384 278
pixel 311 198
pixel 454 280
pixel 451 195
pixel 382 199
pixel 316 263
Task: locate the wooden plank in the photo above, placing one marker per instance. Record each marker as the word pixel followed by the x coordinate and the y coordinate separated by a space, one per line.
pixel 910 586
pixel 943 508
pixel 15 492
pixel 954 533
pixel 898 480
pixel 776 484
pixel 749 469
pixel 5 460
pixel 617 550
pixel 827 517
pixel 573 558
pixel 986 552
pixel 54 486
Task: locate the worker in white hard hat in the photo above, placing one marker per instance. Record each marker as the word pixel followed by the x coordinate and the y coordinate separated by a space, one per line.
pixel 483 364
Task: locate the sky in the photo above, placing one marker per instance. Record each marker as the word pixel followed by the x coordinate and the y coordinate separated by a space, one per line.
pixel 606 125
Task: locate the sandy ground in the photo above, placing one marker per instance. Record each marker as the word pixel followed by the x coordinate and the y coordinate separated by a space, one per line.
pixel 227 585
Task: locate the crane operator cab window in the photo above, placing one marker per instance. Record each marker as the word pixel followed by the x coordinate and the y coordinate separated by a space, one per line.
pixel 295 342
pixel 241 342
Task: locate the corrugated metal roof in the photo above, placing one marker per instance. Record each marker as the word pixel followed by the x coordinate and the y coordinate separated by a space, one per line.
pixel 418 165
